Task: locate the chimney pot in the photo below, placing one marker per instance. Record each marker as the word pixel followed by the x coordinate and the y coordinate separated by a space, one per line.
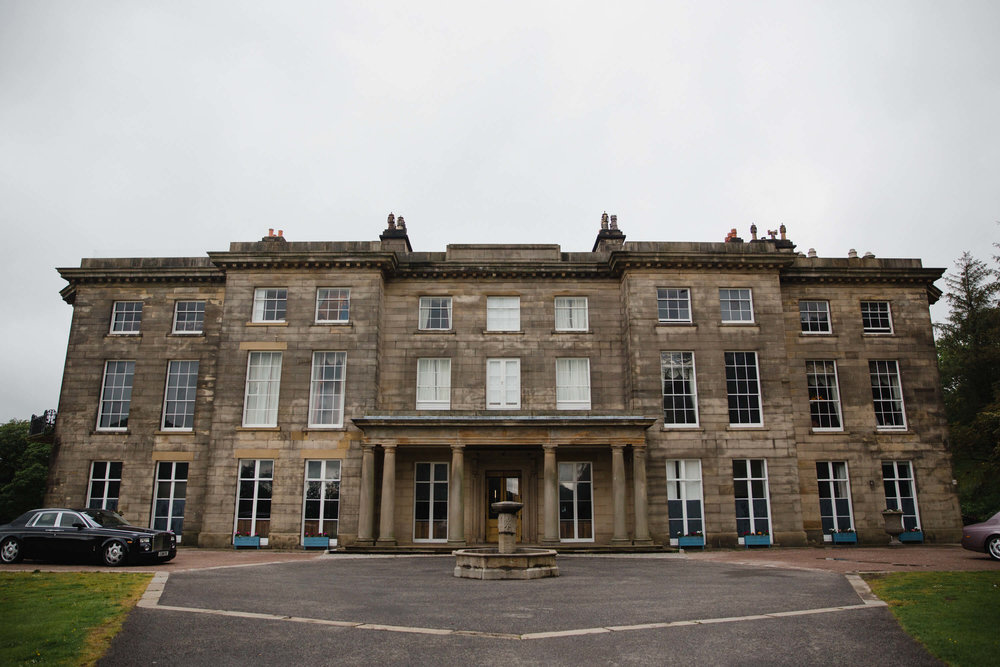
pixel 852 253
pixel 811 253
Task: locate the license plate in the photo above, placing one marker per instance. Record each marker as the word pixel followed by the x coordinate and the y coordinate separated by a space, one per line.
pixel 162 553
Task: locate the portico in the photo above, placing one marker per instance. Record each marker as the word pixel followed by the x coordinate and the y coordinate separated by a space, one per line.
pixel 439 473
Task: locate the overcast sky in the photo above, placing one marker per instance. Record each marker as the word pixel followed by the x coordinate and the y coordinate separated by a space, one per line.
pixel 172 128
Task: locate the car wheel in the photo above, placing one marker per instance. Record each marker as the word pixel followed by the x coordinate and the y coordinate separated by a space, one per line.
pixel 10 550
pixel 113 554
pixel 993 547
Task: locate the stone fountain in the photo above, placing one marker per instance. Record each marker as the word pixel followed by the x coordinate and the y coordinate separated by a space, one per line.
pixel 506 560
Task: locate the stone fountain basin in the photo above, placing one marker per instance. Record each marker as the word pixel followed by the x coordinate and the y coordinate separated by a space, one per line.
pixel 489 563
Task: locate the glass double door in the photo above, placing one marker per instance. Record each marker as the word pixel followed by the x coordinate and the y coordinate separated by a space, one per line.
pixel 501 486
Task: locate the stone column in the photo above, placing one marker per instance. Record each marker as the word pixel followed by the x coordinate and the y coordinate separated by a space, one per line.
pixel 641 500
pixel 550 503
pixel 620 535
pixel 386 531
pixel 456 497
pixel 366 505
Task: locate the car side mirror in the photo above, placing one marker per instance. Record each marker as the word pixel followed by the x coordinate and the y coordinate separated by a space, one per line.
pixel 79 526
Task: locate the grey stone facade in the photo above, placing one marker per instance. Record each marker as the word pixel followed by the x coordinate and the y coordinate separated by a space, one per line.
pixel 619 493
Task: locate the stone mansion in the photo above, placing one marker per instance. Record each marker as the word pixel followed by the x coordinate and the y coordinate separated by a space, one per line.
pixel 628 396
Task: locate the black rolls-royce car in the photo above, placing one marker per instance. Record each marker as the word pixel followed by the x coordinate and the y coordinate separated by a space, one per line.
pixel 82 534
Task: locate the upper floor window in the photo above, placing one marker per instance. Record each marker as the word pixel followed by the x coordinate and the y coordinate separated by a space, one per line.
pixel 269 304
pixel 503 384
pixel 887 395
pixel 571 313
pixel 814 316
pixel 126 316
pixel 736 304
pixel 435 313
pixel 333 304
pixel 573 384
pixel 116 395
pixel 680 396
pixel 876 317
pixel 179 397
pixel 433 384
pixel 673 304
pixel 105 485
pixel 503 313
pixel 326 391
pixel 189 317
pixel 260 404
pixel 824 395
pixel 743 389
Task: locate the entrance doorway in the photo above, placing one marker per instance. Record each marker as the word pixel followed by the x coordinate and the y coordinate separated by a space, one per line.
pixel 501 486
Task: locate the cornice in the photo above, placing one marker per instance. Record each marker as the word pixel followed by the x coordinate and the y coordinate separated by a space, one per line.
pixel 506 421
pixel 376 261
pixel 106 275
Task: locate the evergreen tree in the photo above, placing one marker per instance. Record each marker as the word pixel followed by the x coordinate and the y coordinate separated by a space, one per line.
pixel 24 470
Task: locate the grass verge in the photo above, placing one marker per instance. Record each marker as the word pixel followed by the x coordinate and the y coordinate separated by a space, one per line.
pixel 954 614
pixel 63 618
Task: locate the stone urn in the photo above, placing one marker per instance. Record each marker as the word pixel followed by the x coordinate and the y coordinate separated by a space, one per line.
pixel 893 526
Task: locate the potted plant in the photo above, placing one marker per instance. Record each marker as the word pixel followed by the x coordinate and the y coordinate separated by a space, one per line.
pixel 692 539
pixel 322 540
pixel 912 535
pixel 243 538
pixel 761 538
pixel 846 536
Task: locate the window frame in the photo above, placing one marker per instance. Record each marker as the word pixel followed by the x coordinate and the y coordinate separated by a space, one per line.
pixel 173 497
pixel 910 520
pixel 258 481
pixel 128 320
pixel 664 300
pixel 730 395
pixel 324 479
pixel 730 299
pixel 681 478
pixel 261 298
pixel 108 481
pixel 124 389
pixel 503 318
pixel 691 381
pixel 428 313
pixel 503 377
pixel 434 372
pixel 832 523
pixel 752 516
pixel 190 389
pixel 572 308
pixel 199 321
pixel 318 389
pixel 562 388
pixel 816 399
pixel 271 412
pixel 343 299
pixel 432 521
pixel 808 325
pixel 899 404
pixel 573 485
pixel 866 313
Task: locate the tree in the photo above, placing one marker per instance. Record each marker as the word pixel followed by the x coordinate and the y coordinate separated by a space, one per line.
pixel 969 359
pixel 24 470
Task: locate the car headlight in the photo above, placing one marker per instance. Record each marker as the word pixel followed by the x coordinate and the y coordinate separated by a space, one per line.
pixel 145 543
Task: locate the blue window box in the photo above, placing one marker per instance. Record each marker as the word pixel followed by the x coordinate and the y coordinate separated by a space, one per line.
pixel 691 541
pixel 756 541
pixel 916 536
pixel 315 542
pixel 845 538
pixel 246 541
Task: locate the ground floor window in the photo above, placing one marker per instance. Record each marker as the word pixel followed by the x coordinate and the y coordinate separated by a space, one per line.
pixel 834 496
pixel 430 503
pixel 576 502
pixel 253 506
pixel 321 505
pixel 684 499
pixel 105 484
pixel 901 491
pixel 171 496
pixel 753 507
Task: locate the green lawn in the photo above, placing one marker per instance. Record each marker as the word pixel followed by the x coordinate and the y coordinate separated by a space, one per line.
pixel 63 618
pixel 956 615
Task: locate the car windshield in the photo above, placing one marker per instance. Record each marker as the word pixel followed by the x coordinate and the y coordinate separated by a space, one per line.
pixel 105 518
